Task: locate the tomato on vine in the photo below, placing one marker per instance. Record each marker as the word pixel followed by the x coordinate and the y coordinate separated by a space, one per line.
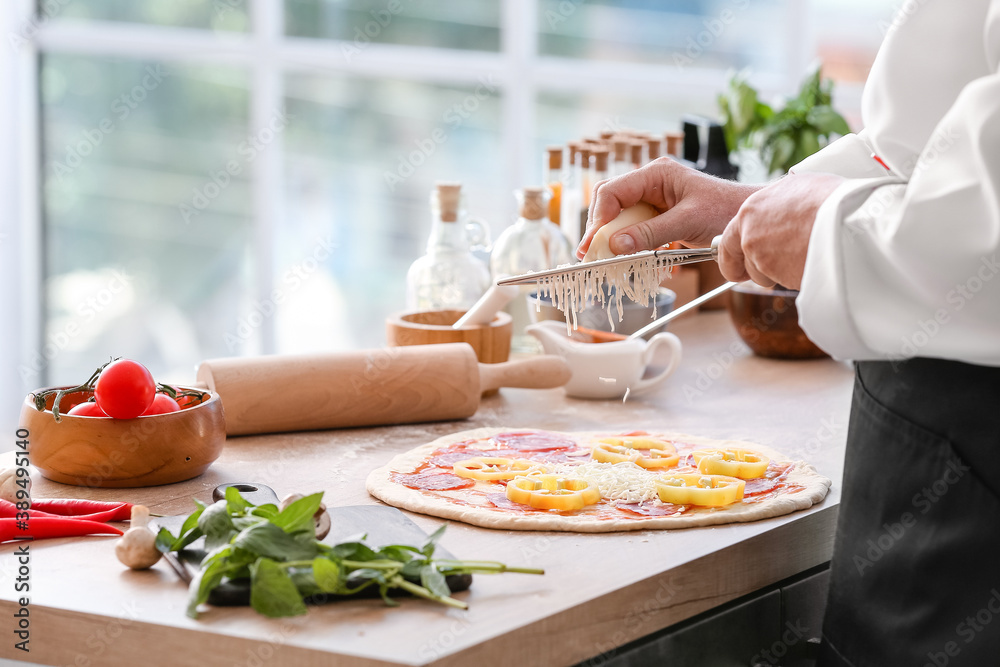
pixel 161 405
pixel 87 409
pixel 124 389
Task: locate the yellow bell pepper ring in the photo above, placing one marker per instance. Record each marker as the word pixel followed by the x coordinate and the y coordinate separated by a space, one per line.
pixel 731 462
pixel 494 469
pixel 696 489
pixel 553 492
pixel 644 452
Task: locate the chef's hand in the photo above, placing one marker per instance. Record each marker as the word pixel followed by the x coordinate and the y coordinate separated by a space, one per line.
pixel 767 240
pixel 694 207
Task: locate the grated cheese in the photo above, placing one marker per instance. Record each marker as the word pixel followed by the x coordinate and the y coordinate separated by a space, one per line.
pixel 639 280
pixel 623 482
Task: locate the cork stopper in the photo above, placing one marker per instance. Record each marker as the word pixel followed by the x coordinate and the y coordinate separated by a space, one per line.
pixel 555 156
pixel 635 152
pixel 574 152
pixel 533 205
pixel 653 148
pixel 449 199
pixel 675 143
pixel 601 158
pixel 621 149
pixel 585 153
pixel 607 134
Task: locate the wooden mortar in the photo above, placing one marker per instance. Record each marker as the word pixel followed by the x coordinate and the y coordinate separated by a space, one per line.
pixel 491 342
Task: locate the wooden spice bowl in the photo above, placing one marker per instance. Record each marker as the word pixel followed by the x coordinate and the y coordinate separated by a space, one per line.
pixel 115 453
pixel 768 322
pixel 491 342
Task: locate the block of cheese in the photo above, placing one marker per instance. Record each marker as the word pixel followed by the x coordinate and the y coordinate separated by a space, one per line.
pixel 599 246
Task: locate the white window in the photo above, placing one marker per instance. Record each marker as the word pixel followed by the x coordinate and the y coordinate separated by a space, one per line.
pixel 185 179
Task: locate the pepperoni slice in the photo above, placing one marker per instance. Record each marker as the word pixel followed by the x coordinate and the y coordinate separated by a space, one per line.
pixel 666 509
pixel 446 458
pixel 774 476
pixel 560 456
pixel 535 441
pixel 433 481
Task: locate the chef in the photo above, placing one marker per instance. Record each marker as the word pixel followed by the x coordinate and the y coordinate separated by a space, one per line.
pixel 893 237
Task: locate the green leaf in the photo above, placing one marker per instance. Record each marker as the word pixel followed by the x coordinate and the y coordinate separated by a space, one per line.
pixel 272 591
pixel 216 525
pixel 165 540
pixel 781 155
pixel 430 544
pixel 353 551
pixel 808 144
pixel 299 515
pixel 402 552
pixel 186 539
pixel 827 121
pixel 304 581
pixel 327 575
pixel 191 522
pixel 383 590
pixel 189 532
pixel 267 539
pixel 239 556
pixel 235 502
pixel 243 522
pixel 433 580
pixel 267 511
pixel 204 581
pixel 412 569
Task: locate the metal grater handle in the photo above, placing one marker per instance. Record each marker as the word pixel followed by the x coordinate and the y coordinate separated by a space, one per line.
pixel 664 258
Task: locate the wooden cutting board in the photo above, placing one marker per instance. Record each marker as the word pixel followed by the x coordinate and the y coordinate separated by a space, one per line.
pixel 381 525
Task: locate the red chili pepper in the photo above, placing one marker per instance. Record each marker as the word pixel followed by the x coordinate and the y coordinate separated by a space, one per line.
pixel 69 507
pixel 44 527
pixel 9 509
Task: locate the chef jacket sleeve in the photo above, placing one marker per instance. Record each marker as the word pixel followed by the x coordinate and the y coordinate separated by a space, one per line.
pixel 850 157
pixel 899 268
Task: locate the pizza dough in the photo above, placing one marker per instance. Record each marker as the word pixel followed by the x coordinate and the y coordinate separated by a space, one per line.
pixel 787 487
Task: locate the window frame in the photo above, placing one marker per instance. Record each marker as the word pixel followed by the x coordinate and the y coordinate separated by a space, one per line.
pixel 520 71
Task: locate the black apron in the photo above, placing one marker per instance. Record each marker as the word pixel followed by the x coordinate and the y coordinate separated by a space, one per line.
pixel 915 575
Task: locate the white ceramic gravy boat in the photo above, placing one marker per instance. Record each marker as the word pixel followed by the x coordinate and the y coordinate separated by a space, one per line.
pixel 608 370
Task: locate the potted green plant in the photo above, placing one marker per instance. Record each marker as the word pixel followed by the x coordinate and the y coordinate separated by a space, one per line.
pixel 766 318
pixel 784 137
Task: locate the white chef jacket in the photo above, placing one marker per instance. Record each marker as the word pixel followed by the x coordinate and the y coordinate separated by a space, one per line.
pixel 905 262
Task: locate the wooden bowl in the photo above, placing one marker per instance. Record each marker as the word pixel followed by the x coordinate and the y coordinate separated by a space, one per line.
pixel 490 341
pixel 768 322
pixel 113 453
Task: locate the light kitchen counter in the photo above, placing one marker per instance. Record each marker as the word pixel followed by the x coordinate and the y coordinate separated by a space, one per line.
pixel 599 591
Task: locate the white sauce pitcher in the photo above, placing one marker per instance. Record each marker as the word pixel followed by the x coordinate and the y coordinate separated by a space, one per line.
pixel 608 370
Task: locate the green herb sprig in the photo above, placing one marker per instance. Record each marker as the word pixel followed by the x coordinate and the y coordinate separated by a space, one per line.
pixel 278 551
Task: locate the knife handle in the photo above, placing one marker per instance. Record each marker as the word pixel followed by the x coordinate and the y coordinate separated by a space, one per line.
pixel 258 494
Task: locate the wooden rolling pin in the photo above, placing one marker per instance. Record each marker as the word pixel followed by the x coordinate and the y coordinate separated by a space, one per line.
pixel 396 385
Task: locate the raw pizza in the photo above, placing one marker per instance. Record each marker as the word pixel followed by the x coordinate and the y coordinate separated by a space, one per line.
pixel 593 482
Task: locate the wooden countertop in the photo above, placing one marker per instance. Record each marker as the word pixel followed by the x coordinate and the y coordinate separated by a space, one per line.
pixel 599 591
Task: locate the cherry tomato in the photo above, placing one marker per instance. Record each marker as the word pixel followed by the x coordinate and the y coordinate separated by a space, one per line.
pixel 125 389
pixel 188 401
pixel 161 405
pixel 87 409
